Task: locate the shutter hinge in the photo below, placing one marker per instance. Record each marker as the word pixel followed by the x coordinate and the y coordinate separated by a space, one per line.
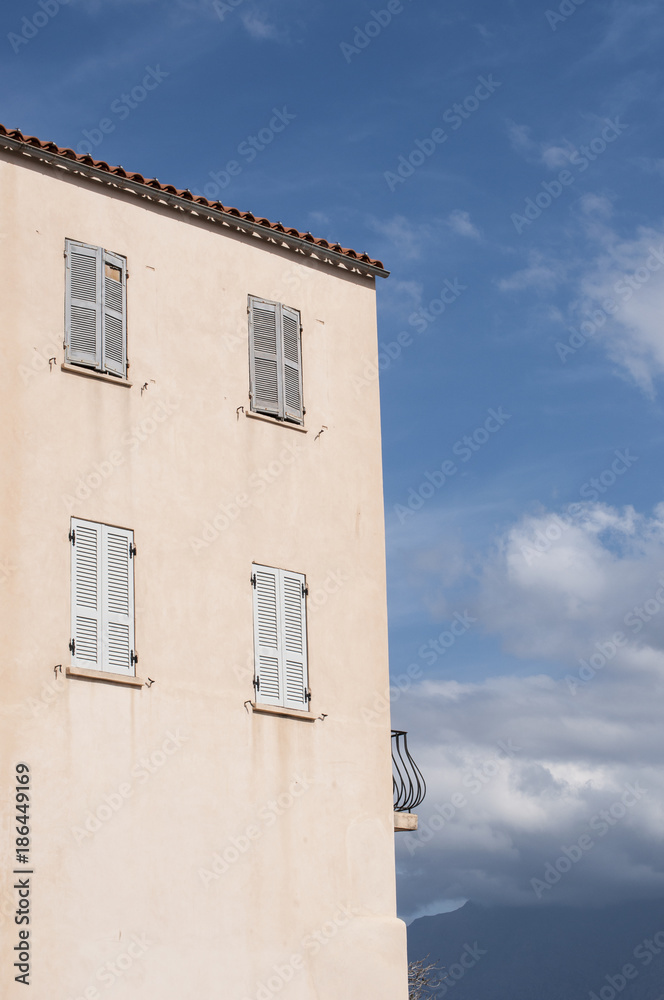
pixel 133 657
pixel 72 536
pixel 307 695
pixel 253 580
pixel 72 645
pixel 132 550
pixel 305 590
pixel 257 683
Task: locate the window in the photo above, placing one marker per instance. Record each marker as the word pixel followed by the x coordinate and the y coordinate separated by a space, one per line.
pixel 275 360
pixel 96 309
pixel 102 597
pixel 280 638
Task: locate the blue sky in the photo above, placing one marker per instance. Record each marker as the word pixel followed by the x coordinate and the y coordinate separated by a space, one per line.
pixel 533 216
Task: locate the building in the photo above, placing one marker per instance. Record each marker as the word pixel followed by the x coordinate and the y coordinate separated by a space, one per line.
pixel 192 577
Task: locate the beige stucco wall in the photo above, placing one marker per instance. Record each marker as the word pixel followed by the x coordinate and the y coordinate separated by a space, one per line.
pixel 302 904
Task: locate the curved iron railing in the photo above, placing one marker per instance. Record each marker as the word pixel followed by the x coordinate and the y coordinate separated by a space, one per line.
pixel 407 781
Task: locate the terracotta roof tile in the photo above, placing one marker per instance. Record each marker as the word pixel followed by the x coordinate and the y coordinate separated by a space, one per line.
pixel 277 227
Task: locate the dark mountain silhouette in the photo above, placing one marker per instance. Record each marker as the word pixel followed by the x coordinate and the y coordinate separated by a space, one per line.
pixel 546 953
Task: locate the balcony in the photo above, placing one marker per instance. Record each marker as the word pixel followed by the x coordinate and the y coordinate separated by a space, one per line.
pixel 409 787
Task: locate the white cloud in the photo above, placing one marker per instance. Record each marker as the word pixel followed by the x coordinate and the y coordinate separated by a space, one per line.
pixel 553 155
pixel 540 274
pixel 261 28
pixel 572 748
pixel 595 204
pixel 460 222
pixel 622 295
pixel 519 136
pixel 408 239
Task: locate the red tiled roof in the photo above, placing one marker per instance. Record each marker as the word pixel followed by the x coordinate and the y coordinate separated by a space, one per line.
pixel 120 173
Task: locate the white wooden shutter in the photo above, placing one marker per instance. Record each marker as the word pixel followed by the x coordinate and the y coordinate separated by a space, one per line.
pixel 267 635
pixel 86 601
pixel 294 644
pixel 292 364
pixel 264 360
pixel 83 304
pixel 117 600
pixel 114 315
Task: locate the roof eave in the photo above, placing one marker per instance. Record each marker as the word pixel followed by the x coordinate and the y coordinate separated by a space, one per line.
pixel 195 208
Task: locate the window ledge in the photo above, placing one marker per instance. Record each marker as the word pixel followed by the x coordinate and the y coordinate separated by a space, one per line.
pixel 275 420
pixel 103 675
pixel 405 821
pixel 289 713
pixel 91 373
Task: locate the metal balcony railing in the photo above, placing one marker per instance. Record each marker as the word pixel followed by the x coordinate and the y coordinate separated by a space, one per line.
pixel 407 781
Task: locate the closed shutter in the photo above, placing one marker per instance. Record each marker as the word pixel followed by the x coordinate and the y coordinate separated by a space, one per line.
pixel 267 635
pixel 86 600
pixel 294 647
pixel 117 600
pixel 264 362
pixel 83 304
pixel 292 362
pixel 114 315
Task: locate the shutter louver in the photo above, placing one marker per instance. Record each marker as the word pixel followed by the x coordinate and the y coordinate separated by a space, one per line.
pixel 280 638
pixel 86 605
pixel 83 304
pixel 264 357
pixel 267 635
pixel 294 641
pixel 102 602
pixel 114 315
pixel 292 362
pixel 117 600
